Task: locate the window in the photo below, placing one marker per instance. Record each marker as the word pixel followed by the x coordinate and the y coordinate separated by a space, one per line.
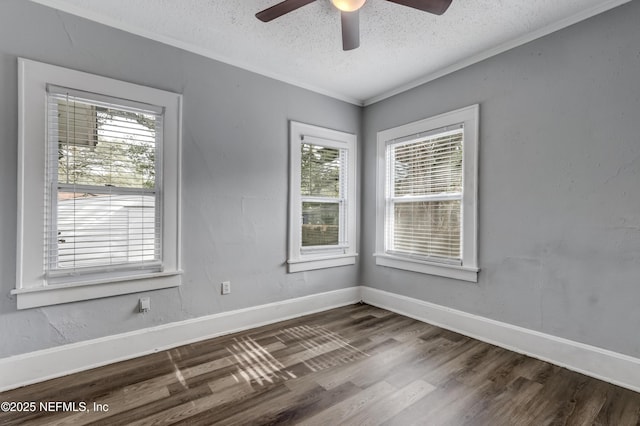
pixel 101 215
pixel 427 195
pixel 102 189
pixel 322 198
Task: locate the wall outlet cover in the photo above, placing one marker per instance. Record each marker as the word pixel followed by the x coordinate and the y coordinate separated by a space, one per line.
pixel 145 304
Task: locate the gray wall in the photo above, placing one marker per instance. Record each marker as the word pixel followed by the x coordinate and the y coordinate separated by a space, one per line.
pixel 559 215
pixel 235 180
pixel 559 199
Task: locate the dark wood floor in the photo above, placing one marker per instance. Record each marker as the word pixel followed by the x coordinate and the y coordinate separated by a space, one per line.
pixel 356 365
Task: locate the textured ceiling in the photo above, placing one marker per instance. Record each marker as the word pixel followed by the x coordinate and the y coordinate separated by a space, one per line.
pixel 400 47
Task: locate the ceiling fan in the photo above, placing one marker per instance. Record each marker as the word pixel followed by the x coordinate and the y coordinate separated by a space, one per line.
pixel 350 14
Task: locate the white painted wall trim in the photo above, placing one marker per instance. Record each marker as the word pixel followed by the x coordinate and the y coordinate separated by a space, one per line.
pixel 596 362
pixel 33 367
pixel 38 366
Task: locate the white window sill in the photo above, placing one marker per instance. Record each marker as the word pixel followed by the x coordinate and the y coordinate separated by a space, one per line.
pixel 450 271
pixel 64 293
pixel 309 264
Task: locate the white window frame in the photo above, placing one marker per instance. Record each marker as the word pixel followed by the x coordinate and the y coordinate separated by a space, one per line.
pixel 32 286
pixel 468 269
pixel 305 259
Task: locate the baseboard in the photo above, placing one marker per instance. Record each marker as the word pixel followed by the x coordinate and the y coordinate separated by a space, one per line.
pixel 612 367
pixel 33 367
pixel 38 366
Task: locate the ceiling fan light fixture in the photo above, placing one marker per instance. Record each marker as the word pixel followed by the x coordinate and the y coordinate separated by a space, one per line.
pixel 349 14
pixel 348 5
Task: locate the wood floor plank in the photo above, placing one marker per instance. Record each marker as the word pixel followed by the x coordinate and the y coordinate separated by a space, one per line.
pixel 355 365
pixel 621 408
pixel 589 402
pixel 418 412
pixel 503 407
pixel 208 415
pixel 305 409
pixel 338 413
pixel 302 394
pixel 560 397
pixel 127 415
pixel 391 405
pixel 119 400
pixel 366 366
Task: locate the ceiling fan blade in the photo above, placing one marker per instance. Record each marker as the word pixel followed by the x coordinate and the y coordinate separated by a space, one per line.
pixel 350 29
pixel 437 7
pixel 280 9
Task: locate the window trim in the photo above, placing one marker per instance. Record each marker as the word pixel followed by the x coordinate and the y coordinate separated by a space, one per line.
pixel 322 257
pixel 468 270
pixel 32 289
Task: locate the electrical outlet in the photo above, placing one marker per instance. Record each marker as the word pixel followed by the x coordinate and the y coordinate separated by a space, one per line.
pixel 226 287
pixel 144 304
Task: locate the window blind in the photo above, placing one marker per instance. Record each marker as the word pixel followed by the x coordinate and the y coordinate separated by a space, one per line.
pixel 103 184
pixel 424 194
pixel 322 189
